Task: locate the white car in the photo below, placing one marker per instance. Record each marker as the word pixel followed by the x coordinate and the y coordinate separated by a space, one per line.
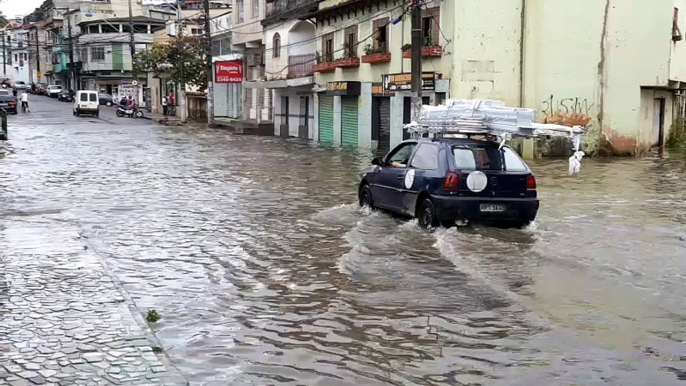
pixel 53 90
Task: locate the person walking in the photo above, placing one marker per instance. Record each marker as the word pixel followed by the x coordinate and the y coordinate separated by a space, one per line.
pixel 165 106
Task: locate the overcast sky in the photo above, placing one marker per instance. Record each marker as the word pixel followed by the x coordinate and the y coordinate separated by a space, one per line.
pixel 11 8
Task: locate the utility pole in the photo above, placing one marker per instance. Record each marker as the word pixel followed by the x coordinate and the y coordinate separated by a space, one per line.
pixel 4 55
pixel 37 57
pixel 182 87
pixel 132 45
pixel 208 58
pixel 71 53
pixel 417 44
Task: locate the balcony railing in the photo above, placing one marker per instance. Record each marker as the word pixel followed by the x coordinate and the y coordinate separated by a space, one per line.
pixel 279 7
pixel 300 66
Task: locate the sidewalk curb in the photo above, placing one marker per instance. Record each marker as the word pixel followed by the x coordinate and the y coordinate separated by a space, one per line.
pixel 175 374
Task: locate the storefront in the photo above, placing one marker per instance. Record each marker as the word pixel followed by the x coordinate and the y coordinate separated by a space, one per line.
pixel 381 117
pixel 326 119
pixel 342 97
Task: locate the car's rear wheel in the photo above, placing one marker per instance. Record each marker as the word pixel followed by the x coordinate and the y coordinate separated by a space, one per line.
pixel 427 215
pixel 366 197
pixel 108 104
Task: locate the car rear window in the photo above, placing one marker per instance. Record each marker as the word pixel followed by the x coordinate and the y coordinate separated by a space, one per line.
pixel 477 158
pixel 94 97
pixel 488 158
pixel 84 97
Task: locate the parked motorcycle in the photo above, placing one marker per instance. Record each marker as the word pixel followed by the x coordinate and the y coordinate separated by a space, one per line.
pixel 129 111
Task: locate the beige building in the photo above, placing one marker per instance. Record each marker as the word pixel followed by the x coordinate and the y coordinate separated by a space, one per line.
pixel 617 66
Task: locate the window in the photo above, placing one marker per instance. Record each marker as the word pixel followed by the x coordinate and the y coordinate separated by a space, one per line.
pixel 430 28
pixel 401 155
pixel 327 47
pixel 93 97
pixel 351 42
pixel 83 97
pixel 97 54
pixel 239 11
pixel 426 157
pixel 255 9
pixel 381 35
pixel 276 50
pixel 197 31
pixel 512 161
pixel 477 158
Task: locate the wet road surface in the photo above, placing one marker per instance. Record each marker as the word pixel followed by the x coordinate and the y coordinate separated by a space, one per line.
pixel 264 270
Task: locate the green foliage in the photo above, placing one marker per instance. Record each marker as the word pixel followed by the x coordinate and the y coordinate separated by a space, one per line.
pixel 167 60
pixel 381 49
pixel 153 316
pixel 677 134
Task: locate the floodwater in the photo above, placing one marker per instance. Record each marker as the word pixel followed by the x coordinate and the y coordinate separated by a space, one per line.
pixel 266 272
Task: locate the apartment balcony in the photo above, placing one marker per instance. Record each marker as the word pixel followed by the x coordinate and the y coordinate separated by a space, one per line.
pixel 300 66
pixel 278 10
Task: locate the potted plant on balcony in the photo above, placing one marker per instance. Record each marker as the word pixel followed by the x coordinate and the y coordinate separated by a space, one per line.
pixel 322 65
pixel 376 54
pixel 429 50
pixel 349 58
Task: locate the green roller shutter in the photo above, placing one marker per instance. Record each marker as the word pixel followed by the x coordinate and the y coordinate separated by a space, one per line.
pixel 349 127
pixel 326 119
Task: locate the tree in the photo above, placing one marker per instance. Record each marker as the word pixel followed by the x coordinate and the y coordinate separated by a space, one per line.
pixel 167 60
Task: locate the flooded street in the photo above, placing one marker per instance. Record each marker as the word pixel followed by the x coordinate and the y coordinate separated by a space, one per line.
pixel 265 271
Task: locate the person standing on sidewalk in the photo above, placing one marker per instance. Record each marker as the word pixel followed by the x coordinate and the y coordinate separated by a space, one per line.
pixel 165 107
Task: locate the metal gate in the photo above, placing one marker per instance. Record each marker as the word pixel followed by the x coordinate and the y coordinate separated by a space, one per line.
pixel 349 126
pixel 325 119
pixel 385 124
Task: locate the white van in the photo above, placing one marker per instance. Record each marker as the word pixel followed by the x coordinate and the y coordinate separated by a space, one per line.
pixel 86 102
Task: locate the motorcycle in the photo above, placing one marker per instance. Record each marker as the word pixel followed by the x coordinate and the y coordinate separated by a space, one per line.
pixel 129 111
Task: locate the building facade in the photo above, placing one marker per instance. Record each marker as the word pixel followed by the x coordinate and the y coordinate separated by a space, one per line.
pixel 363 69
pixel 20 49
pixel 290 56
pixel 228 93
pixel 104 51
pixel 247 40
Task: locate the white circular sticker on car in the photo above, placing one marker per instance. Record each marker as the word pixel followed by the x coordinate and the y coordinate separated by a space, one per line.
pixel 477 181
pixel 409 179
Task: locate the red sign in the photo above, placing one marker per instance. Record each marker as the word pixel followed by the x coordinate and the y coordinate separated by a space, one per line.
pixel 228 72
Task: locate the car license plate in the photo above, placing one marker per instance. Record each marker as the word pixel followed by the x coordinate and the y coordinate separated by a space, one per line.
pixel 492 207
pixel 4 104
pixel 84 106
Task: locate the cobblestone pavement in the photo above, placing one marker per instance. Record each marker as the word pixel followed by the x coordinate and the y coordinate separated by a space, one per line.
pixel 63 319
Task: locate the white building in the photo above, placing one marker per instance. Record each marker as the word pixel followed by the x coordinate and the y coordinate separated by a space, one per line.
pixel 290 56
pixel 19 55
pixel 228 95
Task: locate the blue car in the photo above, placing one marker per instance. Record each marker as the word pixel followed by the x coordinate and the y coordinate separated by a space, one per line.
pixel 449 180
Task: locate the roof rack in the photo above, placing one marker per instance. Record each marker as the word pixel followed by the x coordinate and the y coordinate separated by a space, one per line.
pixel 490 118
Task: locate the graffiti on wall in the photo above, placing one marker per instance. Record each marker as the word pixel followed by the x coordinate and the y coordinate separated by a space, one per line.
pixel 567 111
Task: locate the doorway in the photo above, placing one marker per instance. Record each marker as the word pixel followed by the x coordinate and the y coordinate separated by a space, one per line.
pixel 659 121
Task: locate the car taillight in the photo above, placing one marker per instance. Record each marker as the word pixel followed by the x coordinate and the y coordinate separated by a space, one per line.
pixel 13 103
pixel 531 183
pixel 451 182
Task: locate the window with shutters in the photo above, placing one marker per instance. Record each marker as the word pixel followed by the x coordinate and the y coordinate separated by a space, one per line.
pixel 351 42
pixel 276 49
pixel 381 35
pixel 430 26
pixel 327 47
